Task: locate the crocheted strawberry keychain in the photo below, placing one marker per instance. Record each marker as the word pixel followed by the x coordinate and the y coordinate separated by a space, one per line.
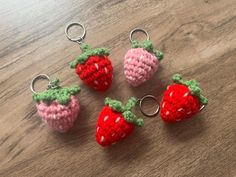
pixel 116 121
pixel 57 106
pixel 141 62
pixel 181 100
pixel 93 66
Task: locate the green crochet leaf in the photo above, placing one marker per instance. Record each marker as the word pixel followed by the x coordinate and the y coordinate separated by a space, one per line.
pixel 193 86
pixel 56 93
pixel 87 52
pixel 115 105
pixel 147 45
pixel 118 106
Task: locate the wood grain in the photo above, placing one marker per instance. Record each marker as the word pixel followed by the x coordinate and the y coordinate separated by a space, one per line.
pixel 198 39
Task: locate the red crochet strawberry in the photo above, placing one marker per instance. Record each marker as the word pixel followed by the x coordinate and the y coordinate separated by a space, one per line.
pixel 181 100
pixel 94 67
pixel 116 121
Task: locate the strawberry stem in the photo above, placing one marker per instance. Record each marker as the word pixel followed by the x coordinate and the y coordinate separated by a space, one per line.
pixel 147 45
pixel 56 92
pixel 118 106
pixel 193 86
pixel 54 84
pixel 115 105
pixel 87 52
pixel 85 47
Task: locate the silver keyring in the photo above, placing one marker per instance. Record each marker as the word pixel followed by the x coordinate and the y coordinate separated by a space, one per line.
pixel 76 39
pixel 141 105
pixel 202 107
pixel 36 78
pixel 135 30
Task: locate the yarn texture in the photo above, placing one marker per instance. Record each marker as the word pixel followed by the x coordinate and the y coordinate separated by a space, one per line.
pixel 57 116
pixel 58 107
pixel 181 100
pixel 94 67
pixel 116 121
pixel 141 62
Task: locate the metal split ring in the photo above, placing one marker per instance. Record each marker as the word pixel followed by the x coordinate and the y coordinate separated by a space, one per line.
pixel 79 38
pixel 141 105
pixel 136 30
pixel 202 107
pixel 36 78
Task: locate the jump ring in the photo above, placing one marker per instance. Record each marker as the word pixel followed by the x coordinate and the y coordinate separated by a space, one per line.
pixel 141 106
pixel 135 30
pixel 77 39
pixel 202 107
pixel 36 78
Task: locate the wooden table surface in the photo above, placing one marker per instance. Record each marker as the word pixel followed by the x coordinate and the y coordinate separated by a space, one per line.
pixel 198 39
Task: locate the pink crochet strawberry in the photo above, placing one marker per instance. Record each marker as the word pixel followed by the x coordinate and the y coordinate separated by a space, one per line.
pixel 58 107
pixel 141 62
pixel 116 121
pixel 181 100
pixel 94 67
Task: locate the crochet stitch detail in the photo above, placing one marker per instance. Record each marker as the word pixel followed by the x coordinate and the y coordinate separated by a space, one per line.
pixel 57 116
pixel 147 45
pixel 56 93
pixel 111 127
pixel 178 104
pixel 193 86
pixel 87 52
pixel 96 72
pixel 118 106
pixel 139 66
